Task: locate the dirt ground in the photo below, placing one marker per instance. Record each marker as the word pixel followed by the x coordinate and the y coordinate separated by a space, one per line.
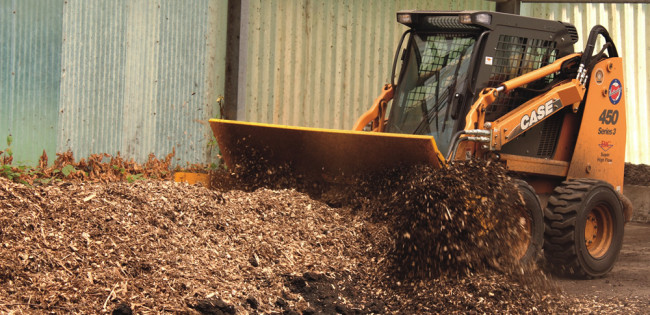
pixel 630 276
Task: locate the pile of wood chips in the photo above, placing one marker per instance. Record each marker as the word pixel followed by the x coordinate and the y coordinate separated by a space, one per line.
pixel 637 174
pixel 158 246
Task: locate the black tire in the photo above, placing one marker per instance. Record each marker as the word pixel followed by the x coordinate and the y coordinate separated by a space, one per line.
pixel 534 224
pixel 576 208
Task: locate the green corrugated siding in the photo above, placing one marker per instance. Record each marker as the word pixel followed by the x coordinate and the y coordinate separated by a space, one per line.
pixel 134 77
pixel 322 63
pixel 30 71
pixel 141 77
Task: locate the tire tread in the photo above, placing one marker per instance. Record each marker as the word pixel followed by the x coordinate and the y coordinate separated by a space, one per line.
pixel 560 219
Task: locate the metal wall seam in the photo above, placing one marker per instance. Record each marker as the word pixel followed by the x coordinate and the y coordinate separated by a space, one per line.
pixel 243 60
pixel 628 26
pixel 215 69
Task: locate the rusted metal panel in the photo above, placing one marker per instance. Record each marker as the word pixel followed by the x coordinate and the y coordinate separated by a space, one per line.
pixel 628 26
pixel 30 37
pixel 321 63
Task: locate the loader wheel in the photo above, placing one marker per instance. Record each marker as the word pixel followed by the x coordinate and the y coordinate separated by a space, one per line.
pixel 584 228
pixel 528 250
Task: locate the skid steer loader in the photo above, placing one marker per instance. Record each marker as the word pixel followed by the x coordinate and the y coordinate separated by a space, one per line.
pixel 487 85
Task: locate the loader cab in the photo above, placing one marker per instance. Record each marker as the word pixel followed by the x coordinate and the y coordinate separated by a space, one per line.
pixel 446 58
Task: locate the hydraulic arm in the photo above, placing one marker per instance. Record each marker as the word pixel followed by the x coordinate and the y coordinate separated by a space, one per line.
pixel 508 127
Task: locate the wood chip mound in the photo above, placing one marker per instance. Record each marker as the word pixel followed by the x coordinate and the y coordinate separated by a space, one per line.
pixel 637 174
pixel 158 246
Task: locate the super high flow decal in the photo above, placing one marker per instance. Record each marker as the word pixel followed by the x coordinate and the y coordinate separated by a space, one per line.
pixel 608 119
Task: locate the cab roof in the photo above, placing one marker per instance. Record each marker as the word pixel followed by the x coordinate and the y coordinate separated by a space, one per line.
pixel 482 20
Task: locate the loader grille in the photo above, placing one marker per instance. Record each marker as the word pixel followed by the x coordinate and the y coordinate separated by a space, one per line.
pixel 515 56
pixel 550 132
pixel 572 31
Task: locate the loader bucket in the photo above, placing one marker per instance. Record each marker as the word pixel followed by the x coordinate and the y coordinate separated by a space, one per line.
pixel 321 154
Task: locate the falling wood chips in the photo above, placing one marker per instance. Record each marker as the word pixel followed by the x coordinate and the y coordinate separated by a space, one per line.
pixel 158 246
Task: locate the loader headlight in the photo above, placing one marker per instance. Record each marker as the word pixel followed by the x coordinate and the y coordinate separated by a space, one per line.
pixel 404 18
pixel 481 18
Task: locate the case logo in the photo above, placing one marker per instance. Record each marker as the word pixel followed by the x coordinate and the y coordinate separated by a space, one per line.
pixel 538 114
pixel 615 91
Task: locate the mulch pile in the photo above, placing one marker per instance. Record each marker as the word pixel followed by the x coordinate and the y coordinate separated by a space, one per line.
pixel 394 243
pixel 637 174
pixel 162 246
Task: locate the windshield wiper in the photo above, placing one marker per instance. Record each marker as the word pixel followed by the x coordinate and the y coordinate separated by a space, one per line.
pixel 452 88
pixel 426 121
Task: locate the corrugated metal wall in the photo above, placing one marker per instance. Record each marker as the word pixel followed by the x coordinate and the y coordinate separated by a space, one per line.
pixel 143 76
pixel 30 64
pixel 322 63
pixel 628 26
pixel 135 77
